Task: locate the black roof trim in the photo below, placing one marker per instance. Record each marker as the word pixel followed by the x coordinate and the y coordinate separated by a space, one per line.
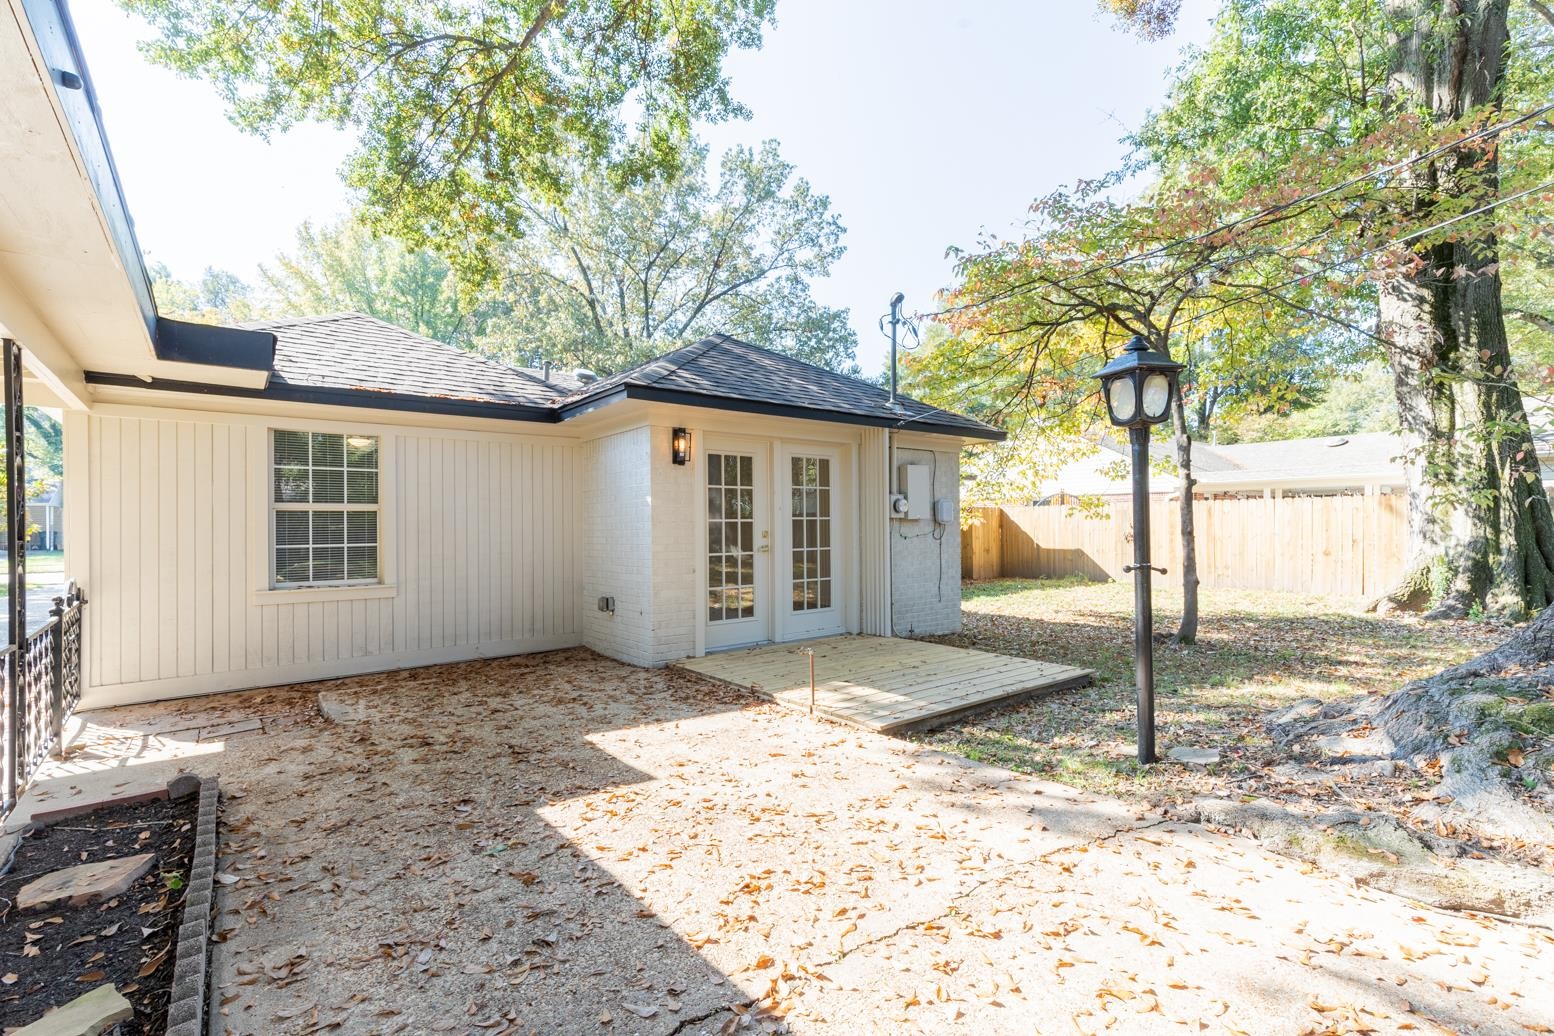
pixel 336 397
pixel 516 412
pixel 184 341
pixel 649 394
pixel 60 48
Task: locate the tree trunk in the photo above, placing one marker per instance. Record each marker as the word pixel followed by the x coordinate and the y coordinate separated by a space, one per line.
pixel 1481 534
pixel 1187 632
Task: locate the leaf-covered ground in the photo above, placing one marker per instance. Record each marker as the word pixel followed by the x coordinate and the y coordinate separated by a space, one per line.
pixel 564 844
pixel 1258 651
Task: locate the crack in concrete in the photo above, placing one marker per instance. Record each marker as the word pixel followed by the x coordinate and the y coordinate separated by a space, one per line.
pixel 984 882
pixel 707 1015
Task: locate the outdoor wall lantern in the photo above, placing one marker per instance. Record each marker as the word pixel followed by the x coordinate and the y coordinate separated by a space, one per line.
pixel 680 446
pixel 1138 387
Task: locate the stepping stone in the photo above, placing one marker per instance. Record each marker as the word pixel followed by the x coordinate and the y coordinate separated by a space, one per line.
pixel 339 709
pixel 1195 756
pixel 86 1015
pixel 83 884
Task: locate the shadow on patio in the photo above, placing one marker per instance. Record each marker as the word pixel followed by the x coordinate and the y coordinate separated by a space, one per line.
pixel 394 873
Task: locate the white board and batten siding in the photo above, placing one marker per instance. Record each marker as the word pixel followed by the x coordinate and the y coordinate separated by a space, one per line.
pixel 478 555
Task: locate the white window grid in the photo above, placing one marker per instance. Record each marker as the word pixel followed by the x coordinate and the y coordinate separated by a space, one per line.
pixel 730 536
pixel 811 511
pixel 328 519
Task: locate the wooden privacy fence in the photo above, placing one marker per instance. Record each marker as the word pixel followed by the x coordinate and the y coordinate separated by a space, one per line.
pixel 1343 545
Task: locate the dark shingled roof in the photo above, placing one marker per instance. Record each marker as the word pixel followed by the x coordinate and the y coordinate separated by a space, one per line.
pixel 352 352
pixel 719 370
pixel 351 359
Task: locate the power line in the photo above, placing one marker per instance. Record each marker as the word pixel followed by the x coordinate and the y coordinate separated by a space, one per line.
pixel 1406 238
pixel 1273 210
pixel 1268 291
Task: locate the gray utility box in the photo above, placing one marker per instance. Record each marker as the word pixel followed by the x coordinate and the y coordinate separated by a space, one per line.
pixel 914 482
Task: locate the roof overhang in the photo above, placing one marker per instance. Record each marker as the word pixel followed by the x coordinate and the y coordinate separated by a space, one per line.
pixel 650 394
pixel 73 286
pixel 322 396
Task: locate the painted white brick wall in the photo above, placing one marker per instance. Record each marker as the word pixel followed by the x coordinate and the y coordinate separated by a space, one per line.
pixel 925 558
pixel 640 546
pixel 617 497
pixel 677 542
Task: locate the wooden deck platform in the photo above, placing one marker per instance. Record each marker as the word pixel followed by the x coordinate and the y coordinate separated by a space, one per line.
pixel 885 683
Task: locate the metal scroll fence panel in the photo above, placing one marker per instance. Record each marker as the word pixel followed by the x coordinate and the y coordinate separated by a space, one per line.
pixel 46 692
pixel 37 699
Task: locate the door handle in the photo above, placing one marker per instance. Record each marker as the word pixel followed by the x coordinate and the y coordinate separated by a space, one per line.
pixel 765 548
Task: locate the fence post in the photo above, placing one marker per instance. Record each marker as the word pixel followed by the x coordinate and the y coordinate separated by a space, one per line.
pixel 57 671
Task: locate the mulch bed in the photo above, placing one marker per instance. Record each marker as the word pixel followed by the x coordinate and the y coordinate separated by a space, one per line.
pixel 53 956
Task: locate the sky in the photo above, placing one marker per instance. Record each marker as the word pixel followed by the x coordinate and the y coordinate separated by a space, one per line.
pixel 926 123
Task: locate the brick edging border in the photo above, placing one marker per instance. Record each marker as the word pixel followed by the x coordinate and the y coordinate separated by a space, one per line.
pixel 191 965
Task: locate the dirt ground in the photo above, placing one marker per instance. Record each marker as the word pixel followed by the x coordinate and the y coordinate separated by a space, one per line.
pixel 564 844
pixel 53 956
pixel 1258 651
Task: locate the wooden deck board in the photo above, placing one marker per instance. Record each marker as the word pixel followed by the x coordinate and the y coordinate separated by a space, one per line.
pixel 884 683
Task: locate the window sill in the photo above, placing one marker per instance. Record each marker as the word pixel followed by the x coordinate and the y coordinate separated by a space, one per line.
pixel 320 594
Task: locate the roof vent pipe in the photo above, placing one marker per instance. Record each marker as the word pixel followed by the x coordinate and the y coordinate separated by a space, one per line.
pixel 546 372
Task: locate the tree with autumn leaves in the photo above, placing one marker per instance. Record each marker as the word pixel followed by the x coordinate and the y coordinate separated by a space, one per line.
pixel 1321 183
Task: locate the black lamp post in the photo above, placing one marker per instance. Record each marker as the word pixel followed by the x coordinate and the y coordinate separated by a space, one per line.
pixel 1139 386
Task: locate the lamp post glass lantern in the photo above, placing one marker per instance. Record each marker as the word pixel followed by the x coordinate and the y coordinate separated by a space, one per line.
pixel 1138 387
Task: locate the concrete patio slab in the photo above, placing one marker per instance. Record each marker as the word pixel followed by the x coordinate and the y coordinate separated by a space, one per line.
pixel 563 844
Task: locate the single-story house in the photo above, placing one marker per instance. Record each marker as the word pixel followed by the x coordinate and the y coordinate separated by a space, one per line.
pixel 310 498
pixel 1360 463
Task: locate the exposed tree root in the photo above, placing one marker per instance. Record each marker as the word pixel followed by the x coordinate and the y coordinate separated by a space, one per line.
pixel 1410 594
pixel 1484 728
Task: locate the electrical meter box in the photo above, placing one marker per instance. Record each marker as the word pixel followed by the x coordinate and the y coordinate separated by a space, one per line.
pixel 914 483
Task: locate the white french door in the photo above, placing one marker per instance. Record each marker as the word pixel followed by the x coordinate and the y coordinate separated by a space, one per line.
pixel 813 585
pixel 738 545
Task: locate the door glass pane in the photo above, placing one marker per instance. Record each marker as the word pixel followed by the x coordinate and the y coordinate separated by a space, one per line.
pixel 810 549
pixel 730 536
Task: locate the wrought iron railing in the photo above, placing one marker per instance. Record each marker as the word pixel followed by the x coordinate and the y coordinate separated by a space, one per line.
pixel 46 690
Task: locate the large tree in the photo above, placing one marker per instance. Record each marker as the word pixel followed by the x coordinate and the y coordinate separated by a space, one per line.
pixel 1480 524
pixel 1035 317
pixel 464 112
pixel 348 267
pixel 1282 81
pixel 617 275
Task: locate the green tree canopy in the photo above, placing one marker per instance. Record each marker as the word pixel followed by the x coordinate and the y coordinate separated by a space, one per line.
pixel 348 267
pixel 218 297
pixel 466 111
pixel 618 275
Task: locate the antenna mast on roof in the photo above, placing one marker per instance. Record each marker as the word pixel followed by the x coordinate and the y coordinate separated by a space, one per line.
pixel 897 322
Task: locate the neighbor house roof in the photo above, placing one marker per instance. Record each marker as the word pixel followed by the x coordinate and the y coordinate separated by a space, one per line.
pixel 732 374
pixel 351 359
pixel 1364 458
pixel 1329 456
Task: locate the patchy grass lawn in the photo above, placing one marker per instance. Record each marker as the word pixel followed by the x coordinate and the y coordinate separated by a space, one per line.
pixel 1257 651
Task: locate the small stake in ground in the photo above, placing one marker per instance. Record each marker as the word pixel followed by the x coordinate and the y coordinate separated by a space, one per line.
pixel 811 653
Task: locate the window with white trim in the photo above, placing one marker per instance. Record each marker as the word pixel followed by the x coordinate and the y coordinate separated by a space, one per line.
pixel 324 509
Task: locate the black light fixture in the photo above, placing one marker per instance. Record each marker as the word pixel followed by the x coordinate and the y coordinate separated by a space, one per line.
pixel 1138 387
pixel 680 446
